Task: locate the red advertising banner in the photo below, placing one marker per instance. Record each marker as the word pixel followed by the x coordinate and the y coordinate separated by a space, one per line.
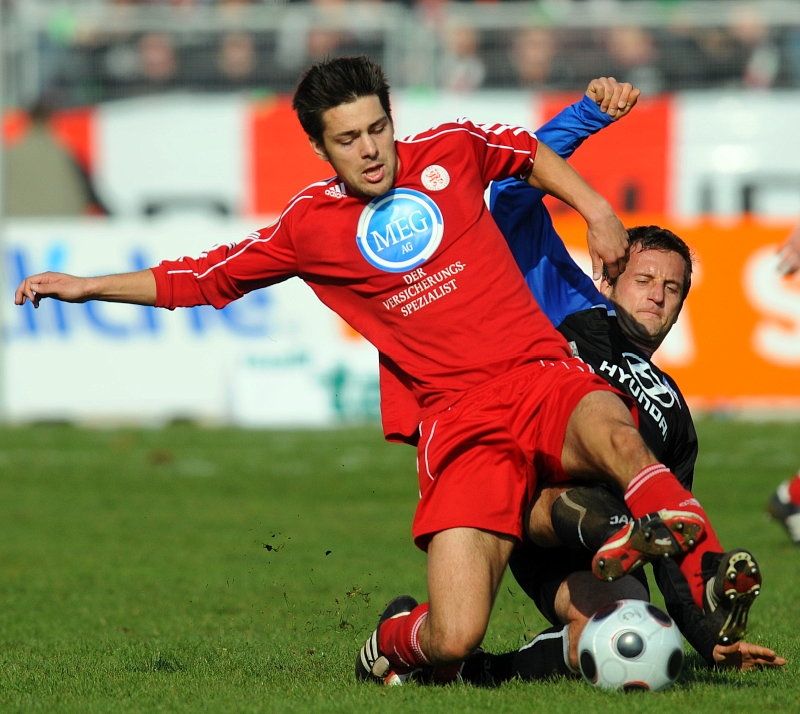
pixel 627 162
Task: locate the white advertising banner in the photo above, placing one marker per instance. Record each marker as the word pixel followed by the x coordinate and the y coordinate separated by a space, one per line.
pixel 275 357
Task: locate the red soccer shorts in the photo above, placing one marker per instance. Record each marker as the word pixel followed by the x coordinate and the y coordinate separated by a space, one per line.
pixel 479 460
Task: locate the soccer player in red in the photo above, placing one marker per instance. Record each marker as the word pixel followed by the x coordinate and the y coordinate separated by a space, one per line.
pixel 401 245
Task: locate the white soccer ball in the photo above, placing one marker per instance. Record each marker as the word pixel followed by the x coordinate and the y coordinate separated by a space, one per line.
pixel 630 645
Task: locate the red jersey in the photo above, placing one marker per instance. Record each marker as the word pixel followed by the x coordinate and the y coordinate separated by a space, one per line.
pixel 422 272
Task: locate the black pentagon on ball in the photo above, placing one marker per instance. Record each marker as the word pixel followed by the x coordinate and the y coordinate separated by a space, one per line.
pixel 630 644
pixel 635 687
pixel 659 615
pixel 588 666
pixel 675 664
pixel 604 612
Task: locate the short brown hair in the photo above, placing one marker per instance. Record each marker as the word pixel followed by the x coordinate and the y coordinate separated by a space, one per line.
pixel 332 82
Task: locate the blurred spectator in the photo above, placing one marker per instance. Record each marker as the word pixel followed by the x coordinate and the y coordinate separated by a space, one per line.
pixel 462 67
pixel 703 57
pixel 758 52
pixel 236 64
pixel 41 178
pixel 318 29
pixel 742 51
pixel 791 47
pixel 684 61
pixel 159 65
pixel 149 65
pixel 536 61
pixel 632 57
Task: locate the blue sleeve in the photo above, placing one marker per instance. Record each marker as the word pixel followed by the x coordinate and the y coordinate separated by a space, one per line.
pixel 560 287
pixel 568 129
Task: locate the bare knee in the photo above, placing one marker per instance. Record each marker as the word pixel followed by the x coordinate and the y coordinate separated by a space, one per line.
pixel 453 642
pixel 465 567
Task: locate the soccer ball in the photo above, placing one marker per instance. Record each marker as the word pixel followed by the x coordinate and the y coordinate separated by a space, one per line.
pixel 630 645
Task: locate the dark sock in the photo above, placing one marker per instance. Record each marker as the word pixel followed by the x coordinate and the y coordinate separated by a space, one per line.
pixel 542 658
pixel 585 517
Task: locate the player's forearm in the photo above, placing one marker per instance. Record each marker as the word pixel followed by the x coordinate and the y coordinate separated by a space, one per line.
pixel 138 288
pixel 555 176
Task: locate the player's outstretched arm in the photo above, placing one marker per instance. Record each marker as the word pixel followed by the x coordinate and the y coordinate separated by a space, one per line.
pixel 744 656
pixel 138 288
pixel 789 253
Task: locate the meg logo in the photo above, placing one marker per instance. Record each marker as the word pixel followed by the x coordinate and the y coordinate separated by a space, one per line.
pixel 399 230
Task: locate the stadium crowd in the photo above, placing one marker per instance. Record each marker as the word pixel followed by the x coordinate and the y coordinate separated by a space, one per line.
pixel 90 61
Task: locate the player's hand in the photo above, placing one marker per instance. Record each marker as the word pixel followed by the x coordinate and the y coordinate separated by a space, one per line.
pixel 61 286
pixel 614 98
pixel 608 245
pixel 789 254
pixel 744 656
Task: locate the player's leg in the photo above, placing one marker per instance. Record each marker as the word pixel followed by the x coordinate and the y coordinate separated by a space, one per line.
pixel 540 527
pixel 575 516
pixel 583 518
pixel 602 439
pixel 554 652
pixel 602 442
pixel 732 583
pixel 465 566
pixel 587 518
pixel 580 597
pixel 474 483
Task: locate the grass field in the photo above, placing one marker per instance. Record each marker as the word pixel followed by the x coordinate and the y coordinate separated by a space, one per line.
pixel 200 570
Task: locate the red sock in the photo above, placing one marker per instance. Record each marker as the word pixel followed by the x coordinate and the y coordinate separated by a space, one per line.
pixel 655 488
pixel 399 640
pixel 691 568
pixel 794 490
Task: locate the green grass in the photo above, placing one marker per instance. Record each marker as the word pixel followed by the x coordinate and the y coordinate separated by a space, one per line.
pixel 200 570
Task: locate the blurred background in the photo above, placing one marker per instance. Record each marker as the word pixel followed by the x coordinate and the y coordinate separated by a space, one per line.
pixel 138 131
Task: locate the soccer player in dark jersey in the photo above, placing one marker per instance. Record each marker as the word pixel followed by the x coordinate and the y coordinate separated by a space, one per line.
pixel 616 330
pixel 402 246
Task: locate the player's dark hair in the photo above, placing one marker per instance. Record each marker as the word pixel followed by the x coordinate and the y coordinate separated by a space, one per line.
pixel 332 82
pixel 657 238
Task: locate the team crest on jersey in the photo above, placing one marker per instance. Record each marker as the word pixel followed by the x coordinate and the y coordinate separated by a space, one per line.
pixel 435 178
pixel 399 230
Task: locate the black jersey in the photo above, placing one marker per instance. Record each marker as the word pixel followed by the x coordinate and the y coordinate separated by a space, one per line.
pixel 664 418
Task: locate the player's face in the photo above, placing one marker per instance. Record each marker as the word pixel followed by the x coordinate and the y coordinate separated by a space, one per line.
pixel 649 295
pixel 358 141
